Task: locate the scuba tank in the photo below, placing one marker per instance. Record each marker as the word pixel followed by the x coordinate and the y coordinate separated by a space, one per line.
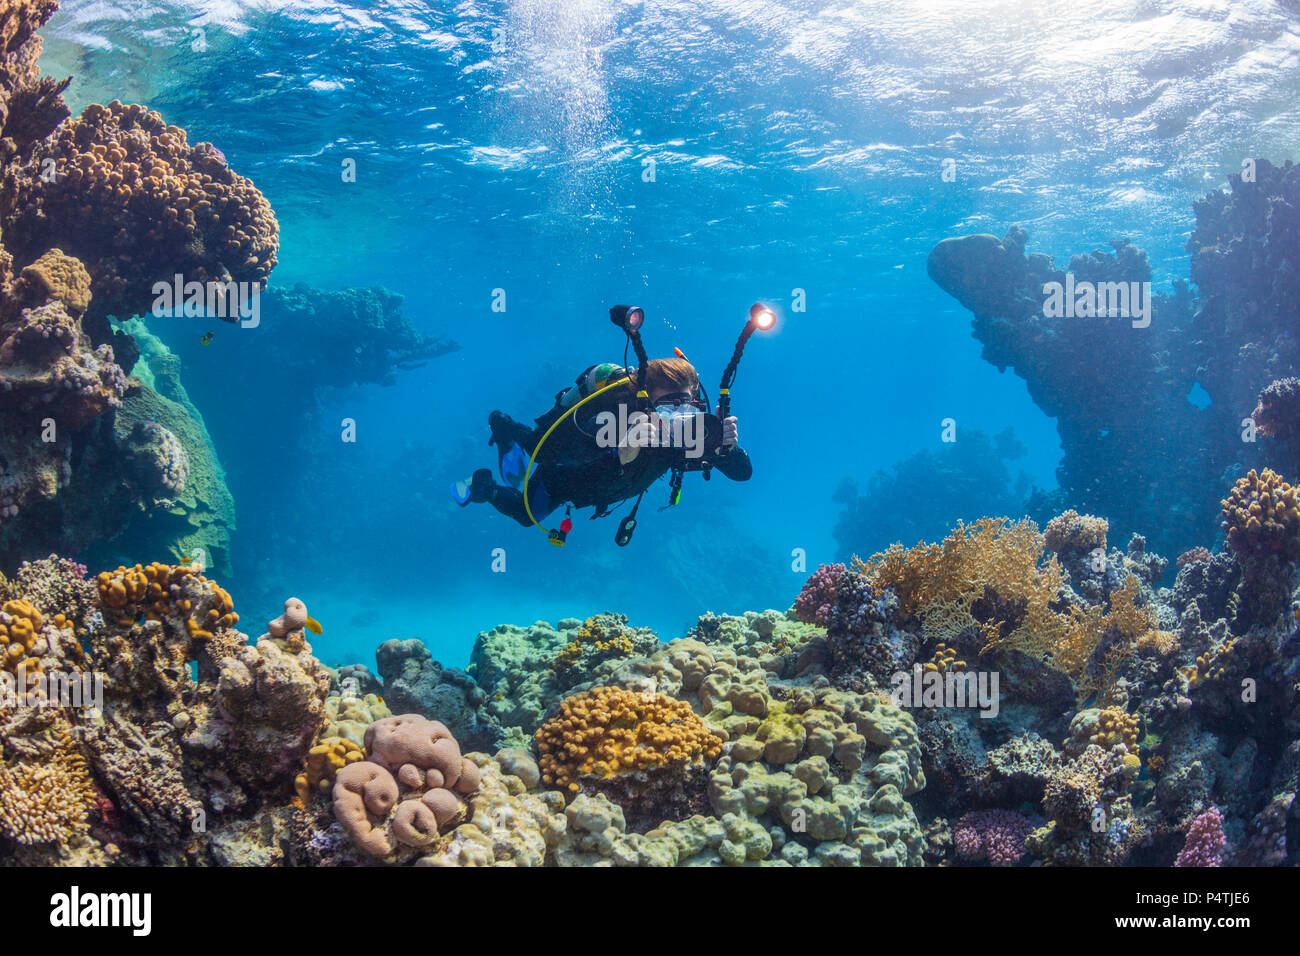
pixel 592 380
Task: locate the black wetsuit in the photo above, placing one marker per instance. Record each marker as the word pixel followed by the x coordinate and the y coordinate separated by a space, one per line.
pixel 584 474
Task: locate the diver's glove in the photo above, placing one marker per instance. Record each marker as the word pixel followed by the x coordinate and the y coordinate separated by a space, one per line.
pixel 730 432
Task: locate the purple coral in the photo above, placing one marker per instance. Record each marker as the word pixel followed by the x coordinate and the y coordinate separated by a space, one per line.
pixel 1205 841
pixel 814 603
pixel 994 835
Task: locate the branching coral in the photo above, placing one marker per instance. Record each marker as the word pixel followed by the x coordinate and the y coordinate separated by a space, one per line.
pixel 997 836
pixel 814 603
pixel 45 786
pixel 1071 533
pixel 1205 841
pixel 1261 516
pixel 607 731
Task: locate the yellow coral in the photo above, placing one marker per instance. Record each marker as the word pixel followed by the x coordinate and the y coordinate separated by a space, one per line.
pixel 994 575
pixel 591 635
pixel 1261 516
pixel 46 793
pixel 1072 531
pixel 1114 726
pixel 608 730
pixel 151 591
pixel 19 626
pixel 324 761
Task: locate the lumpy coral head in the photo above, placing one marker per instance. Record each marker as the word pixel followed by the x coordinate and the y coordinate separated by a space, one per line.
pixel 361 787
pixel 294 618
pixel 427 744
pixel 138 205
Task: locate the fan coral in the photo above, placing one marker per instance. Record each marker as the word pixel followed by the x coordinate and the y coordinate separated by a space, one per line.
pixel 607 731
pixel 994 835
pixel 30 105
pixel 814 603
pixel 1205 841
pixel 137 204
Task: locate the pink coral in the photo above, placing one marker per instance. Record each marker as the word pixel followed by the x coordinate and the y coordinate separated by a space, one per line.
pixel 1205 841
pixel 814 603
pixel 995 835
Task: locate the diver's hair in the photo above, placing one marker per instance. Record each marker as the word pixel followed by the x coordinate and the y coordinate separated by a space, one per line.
pixel 670 375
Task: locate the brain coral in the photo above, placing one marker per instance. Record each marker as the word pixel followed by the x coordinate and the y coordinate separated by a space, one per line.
pixel 608 730
pixel 132 199
pixel 382 812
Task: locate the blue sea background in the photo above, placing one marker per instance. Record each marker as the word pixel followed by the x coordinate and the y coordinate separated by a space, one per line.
pixel 795 146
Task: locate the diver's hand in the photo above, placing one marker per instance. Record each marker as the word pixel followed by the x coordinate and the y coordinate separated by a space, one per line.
pixel 730 434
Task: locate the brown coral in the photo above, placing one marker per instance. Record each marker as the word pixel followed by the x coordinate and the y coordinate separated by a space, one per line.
pixel 132 199
pixel 154 592
pixel 607 730
pixel 1071 533
pixel 45 786
pixel 381 812
pixel 1261 516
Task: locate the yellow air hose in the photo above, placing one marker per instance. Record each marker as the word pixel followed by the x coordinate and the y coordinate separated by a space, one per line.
pixel 621 383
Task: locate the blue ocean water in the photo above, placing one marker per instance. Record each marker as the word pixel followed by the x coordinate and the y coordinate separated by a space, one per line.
pixel 692 158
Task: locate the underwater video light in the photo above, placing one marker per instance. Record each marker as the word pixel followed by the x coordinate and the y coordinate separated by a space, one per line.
pixel 629 318
pixel 761 316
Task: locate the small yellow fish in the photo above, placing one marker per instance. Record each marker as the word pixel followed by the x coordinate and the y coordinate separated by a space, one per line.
pixel 313 625
pixel 186 560
pixel 206 338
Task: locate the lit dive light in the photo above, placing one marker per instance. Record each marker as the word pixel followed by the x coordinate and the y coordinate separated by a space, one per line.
pixel 629 318
pixel 761 316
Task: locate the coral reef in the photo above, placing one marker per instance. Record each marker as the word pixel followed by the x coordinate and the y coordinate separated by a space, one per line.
pixel 134 201
pixel 94 211
pixel 414 682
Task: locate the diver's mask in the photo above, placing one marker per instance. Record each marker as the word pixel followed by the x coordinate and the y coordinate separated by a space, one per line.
pixel 678 407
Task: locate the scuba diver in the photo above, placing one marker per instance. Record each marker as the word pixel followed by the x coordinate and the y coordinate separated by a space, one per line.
pixel 610 436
